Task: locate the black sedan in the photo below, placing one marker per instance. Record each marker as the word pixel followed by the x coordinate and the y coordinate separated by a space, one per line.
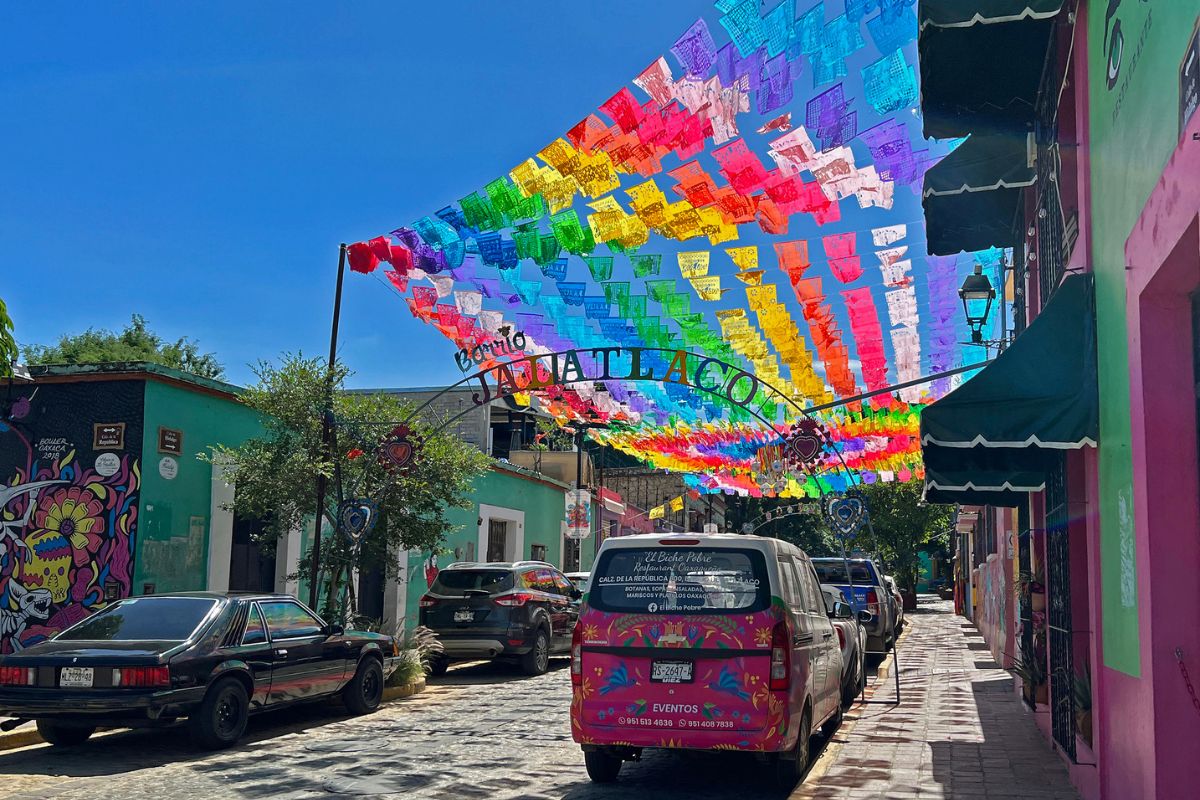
pixel 213 658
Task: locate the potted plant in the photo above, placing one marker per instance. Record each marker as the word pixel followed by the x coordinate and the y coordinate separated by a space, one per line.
pixel 1032 670
pixel 1081 687
pixel 1031 584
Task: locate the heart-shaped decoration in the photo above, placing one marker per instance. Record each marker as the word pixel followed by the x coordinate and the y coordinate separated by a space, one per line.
pixel 398 450
pixel 805 445
pixel 846 514
pixel 356 517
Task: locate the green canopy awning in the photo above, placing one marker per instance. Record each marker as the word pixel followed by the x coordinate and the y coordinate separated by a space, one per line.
pixel 981 63
pixel 972 196
pixel 996 436
pixel 966 13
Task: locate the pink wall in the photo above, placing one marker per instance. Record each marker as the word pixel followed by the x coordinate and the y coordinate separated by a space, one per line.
pixel 1159 725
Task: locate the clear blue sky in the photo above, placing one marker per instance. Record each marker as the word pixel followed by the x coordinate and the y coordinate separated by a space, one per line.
pixel 199 163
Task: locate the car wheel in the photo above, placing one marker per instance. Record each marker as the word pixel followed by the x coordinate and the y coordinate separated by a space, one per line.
pixel 364 692
pixel 790 767
pixel 537 660
pixel 220 720
pixel 601 767
pixel 852 687
pixel 63 734
pixel 833 723
pixel 439 665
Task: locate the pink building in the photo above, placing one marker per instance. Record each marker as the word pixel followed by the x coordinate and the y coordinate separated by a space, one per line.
pixel 1076 449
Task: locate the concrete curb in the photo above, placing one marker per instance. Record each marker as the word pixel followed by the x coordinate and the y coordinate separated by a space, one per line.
pixel 27 735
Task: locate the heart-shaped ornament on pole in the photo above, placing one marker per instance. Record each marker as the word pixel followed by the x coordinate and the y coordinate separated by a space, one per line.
pixel 357 517
pixel 845 514
pixel 399 449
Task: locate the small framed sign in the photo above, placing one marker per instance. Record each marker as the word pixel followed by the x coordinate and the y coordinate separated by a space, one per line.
pixel 108 436
pixel 170 441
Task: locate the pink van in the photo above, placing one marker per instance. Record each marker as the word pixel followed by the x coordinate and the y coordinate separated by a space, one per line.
pixel 703 642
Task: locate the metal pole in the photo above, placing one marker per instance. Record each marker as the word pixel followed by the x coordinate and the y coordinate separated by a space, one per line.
pixel 326 430
pixel 898 386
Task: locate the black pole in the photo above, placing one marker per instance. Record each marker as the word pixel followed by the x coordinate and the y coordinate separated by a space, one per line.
pixel 326 430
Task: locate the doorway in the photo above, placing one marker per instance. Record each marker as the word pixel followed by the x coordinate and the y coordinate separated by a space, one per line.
pixel 251 560
pixel 497 541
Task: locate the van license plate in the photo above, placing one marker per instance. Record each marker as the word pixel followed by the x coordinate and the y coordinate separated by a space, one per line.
pixel 76 677
pixel 464 616
pixel 671 671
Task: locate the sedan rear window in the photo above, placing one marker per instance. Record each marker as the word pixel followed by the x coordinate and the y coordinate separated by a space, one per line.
pixel 676 580
pixel 835 572
pixel 169 619
pixel 460 582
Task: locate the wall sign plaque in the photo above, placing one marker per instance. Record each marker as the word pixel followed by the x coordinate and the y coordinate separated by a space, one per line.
pixel 108 436
pixel 170 441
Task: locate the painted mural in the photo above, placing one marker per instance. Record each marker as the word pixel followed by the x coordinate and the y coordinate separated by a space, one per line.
pixel 67 533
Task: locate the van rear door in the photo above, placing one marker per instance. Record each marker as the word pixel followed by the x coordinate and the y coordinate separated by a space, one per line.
pixel 678 638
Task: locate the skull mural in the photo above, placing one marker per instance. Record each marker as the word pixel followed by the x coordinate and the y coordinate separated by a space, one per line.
pixel 48 564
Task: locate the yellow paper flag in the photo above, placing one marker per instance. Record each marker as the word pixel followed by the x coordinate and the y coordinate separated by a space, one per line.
pixel 658 512
pixel 693 264
pixel 677 504
pixel 708 287
pixel 751 277
pixel 745 257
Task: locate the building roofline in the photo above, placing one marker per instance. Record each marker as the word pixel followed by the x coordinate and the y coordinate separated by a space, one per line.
pixel 132 370
pixel 528 474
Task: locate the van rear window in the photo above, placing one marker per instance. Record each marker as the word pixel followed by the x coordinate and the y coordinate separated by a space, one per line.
pixel 680 580
pixel 835 572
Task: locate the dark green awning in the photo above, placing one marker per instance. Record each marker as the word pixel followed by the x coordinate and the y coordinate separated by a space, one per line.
pixel 996 436
pixel 966 13
pixel 972 196
pixel 981 63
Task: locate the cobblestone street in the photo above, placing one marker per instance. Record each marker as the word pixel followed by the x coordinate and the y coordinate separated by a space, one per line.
pixel 486 731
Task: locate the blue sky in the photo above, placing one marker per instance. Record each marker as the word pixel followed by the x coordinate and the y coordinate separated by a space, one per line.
pixel 199 163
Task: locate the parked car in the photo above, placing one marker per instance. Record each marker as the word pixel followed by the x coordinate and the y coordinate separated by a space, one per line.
pixel 212 658
pixel 869 594
pixel 524 611
pixel 680 644
pixel 580 579
pixel 897 601
pixel 852 639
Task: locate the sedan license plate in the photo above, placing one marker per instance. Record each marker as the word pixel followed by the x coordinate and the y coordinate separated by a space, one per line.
pixel 464 616
pixel 671 671
pixel 76 677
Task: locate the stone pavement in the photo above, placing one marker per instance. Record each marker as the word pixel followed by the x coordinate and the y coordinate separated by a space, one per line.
pixel 960 732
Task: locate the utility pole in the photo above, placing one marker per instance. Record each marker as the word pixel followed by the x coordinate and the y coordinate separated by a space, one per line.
pixel 314 575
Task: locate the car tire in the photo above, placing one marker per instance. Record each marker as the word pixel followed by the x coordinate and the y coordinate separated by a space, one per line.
pixel 439 665
pixel 537 660
pixel 790 767
pixel 63 734
pixel 364 693
pixel 854 685
pixel 829 728
pixel 220 719
pixel 601 767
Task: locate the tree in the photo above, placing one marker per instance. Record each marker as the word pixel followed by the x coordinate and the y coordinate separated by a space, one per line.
pixel 901 525
pixel 135 343
pixel 8 344
pixel 275 474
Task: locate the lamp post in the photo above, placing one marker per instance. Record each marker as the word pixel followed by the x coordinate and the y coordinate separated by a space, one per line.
pixel 977 295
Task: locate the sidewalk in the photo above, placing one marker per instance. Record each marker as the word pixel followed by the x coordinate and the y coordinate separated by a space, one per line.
pixel 959 733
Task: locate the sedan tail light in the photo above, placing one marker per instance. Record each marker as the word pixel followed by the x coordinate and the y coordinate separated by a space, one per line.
pixel 142 677
pixel 577 655
pixel 512 599
pixel 781 657
pixel 18 676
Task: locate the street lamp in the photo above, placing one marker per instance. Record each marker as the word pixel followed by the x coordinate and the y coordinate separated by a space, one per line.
pixel 977 295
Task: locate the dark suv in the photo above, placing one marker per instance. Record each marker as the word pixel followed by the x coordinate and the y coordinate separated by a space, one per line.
pixel 523 611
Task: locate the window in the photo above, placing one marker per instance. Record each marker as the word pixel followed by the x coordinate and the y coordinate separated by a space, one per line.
pixel 167 619
pixel 537 552
pixel 562 585
pixel 680 580
pixel 788 586
pixel 834 571
pixel 290 621
pixel 256 632
pixel 812 588
pixel 457 582
pixel 497 543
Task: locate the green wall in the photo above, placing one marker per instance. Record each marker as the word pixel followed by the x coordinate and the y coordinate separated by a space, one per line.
pixel 1133 87
pixel 543 502
pixel 172 547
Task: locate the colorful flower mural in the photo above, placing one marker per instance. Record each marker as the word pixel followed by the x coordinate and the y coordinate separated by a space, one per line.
pixel 67 544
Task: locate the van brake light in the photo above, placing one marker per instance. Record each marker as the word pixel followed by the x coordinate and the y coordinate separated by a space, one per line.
pixel 781 657
pixel 679 541
pixel 577 655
